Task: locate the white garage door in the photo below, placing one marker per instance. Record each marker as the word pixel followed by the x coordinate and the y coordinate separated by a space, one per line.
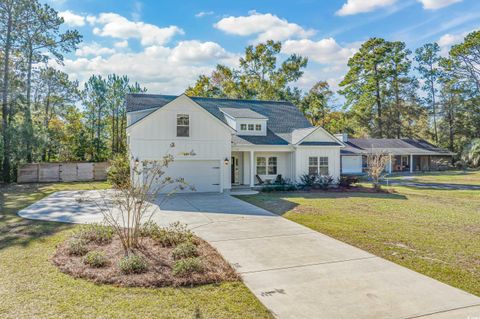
pixel 203 175
pixel 351 164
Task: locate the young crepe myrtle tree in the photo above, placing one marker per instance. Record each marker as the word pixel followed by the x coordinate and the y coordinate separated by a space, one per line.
pixel 376 164
pixel 131 203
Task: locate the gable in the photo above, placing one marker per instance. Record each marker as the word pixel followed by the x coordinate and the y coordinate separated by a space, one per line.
pixel 162 122
pixel 319 137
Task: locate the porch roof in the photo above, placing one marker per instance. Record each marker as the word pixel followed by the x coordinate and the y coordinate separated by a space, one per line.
pixel 404 146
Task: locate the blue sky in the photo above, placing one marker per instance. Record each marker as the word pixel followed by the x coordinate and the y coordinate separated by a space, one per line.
pixel 165 45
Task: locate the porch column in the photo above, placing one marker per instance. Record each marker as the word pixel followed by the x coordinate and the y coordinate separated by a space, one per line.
pixel 252 169
pixel 390 165
pixel 411 163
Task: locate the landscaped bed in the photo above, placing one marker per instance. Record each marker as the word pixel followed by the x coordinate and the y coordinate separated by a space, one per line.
pixel 31 286
pixel 170 256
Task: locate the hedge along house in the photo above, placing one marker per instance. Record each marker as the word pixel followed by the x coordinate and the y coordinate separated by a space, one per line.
pixel 224 143
pixel 406 155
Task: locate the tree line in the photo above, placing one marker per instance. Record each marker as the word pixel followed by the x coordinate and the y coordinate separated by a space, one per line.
pixel 388 90
pixel 45 115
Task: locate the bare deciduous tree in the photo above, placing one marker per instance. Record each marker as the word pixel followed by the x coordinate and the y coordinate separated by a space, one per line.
pixel 130 204
pixel 376 163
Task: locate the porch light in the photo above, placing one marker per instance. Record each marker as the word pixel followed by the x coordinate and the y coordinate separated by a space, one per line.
pixel 226 161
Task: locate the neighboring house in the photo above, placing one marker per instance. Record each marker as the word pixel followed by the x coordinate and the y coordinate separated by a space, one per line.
pixel 406 155
pixel 220 143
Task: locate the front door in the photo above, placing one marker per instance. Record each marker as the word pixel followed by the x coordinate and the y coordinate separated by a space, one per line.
pixel 235 171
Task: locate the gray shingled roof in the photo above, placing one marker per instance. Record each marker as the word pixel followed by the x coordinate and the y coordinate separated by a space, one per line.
pixel 402 146
pixel 242 113
pixel 283 117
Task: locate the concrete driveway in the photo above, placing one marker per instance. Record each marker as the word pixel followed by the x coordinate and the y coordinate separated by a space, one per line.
pixel 294 271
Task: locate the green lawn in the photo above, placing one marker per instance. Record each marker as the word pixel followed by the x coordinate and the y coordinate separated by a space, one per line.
pixel 471 177
pixel 31 287
pixel 434 232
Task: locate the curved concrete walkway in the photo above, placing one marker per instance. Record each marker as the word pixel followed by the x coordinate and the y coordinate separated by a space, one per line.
pixel 294 271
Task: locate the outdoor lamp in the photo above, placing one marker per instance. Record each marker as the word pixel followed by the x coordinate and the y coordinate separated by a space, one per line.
pixel 226 161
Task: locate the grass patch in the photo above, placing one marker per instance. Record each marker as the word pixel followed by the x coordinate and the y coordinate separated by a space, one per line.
pixel 434 232
pixel 32 287
pixel 468 177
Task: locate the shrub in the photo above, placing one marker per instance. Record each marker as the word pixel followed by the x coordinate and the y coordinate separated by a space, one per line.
pixel 308 180
pixel 185 250
pixel 118 174
pixel 77 246
pixel 96 259
pixel 97 233
pixel 187 266
pixel 172 235
pixel 133 264
pixel 348 180
pixel 325 181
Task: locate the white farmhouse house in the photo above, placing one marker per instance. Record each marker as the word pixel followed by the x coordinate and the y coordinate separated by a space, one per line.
pixel 221 143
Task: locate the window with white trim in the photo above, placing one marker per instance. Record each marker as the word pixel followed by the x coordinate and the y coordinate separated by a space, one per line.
pixel 272 166
pixel 183 125
pixel 243 127
pixel 267 165
pixel 318 165
pixel 250 127
pixel 258 127
pixel 261 166
pixel 323 165
pixel 313 166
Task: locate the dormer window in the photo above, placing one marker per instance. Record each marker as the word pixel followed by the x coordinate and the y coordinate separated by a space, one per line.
pixel 250 127
pixel 183 125
pixel 243 127
pixel 258 127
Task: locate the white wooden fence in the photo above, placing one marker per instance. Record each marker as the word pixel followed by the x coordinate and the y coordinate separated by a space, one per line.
pixel 62 172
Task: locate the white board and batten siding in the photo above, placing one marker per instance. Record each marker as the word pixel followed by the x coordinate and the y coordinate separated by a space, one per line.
pixel 199 158
pixel 304 152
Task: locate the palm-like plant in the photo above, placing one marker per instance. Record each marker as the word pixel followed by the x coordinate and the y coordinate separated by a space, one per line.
pixel 471 153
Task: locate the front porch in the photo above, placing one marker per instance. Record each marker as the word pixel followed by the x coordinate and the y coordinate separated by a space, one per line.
pixel 251 168
pixel 417 163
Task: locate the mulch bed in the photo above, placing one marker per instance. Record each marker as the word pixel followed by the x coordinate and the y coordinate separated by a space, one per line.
pixel 160 263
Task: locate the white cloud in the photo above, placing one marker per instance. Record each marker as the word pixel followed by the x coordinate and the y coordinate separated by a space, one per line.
pixel 361 6
pixel 197 52
pixel 202 14
pixel 93 49
pixel 159 68
pixel 446 41
pixel 121 44
pixel 437 4
pixel 325 51
pixel 265 26
pixel 72 19
pixel 116 26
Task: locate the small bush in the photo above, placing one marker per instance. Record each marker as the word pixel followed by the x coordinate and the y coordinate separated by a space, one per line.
pixel 133 264
pixel 185 250
pixel 97 233
pixel 308 180
pixel 150 229
pixel 77 246
pixel 348 180
pixel 118 174
pixel 170 236
pixel 96 259
pixel 187 266
pixel 325 181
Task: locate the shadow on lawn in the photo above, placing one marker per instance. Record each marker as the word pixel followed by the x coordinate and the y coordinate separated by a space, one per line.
pixel 279 204
pixel 17 231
